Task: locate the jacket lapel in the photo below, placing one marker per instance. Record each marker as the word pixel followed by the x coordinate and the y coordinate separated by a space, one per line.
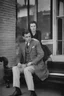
pixel 23 49
pixel 30 46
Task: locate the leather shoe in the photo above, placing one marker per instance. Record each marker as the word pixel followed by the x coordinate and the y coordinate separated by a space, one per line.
pixel 33 94
pixel 15 93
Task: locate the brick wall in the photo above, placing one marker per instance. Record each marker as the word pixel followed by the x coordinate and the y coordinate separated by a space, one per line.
pixel 7 29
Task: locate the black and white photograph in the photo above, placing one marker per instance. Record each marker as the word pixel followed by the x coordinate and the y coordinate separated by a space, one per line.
pixel 31 48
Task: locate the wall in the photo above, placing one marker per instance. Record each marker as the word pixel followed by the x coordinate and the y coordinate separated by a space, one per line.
pixel 7 29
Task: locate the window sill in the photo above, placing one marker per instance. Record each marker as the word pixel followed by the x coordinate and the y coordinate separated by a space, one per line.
pixel 45 42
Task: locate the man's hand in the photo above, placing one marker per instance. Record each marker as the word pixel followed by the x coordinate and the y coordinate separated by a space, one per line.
pixel 23 65
pixel 19 65
pixel 30 63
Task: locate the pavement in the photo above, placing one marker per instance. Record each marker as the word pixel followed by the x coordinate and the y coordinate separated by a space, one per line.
pixel 48 89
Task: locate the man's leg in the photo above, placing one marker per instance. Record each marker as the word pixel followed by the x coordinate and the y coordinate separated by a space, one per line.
pixel 28 71
pixel 16 81
pixel 16 76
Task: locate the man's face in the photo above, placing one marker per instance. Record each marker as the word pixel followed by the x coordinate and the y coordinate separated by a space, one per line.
pixel 33 27
pixel 27 37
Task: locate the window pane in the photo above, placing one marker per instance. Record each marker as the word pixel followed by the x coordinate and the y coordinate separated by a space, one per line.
pixel 60 36
pixel 32 2
pixel 21 2
pixel 44 18
pixel 33 10
pixel 22 16
pixel 59 49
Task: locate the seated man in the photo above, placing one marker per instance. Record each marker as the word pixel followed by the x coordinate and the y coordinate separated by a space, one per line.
pixel 32 53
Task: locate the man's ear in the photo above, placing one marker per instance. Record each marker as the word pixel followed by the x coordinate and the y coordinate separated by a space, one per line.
pixel 23 37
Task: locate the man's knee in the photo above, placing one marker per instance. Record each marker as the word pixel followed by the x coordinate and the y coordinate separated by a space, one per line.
pixel 25 70
pixel 14 68
pixel 28 69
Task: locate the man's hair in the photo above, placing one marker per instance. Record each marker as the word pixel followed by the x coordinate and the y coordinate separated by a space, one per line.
pixel 25 32
pixel 33 22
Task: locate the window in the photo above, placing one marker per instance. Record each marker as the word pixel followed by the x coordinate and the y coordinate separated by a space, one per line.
pixel 38 10
pixel 60 26
pixel 44 19
pixel 26 12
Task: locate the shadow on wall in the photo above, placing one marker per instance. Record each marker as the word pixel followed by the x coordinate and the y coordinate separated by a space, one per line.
pixel 3 64
pixel 1 72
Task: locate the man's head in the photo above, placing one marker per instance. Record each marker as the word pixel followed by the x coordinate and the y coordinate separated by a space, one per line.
pixel 27 36
pixel 33 26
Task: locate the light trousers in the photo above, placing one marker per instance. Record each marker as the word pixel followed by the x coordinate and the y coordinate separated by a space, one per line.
pixel 28 71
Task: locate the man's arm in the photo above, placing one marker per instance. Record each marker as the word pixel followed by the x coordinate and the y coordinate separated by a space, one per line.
pixel 40 53
pixel 18 54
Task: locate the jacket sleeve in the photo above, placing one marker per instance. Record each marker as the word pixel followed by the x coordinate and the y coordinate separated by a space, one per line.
pixel 40 53
pixel 18 54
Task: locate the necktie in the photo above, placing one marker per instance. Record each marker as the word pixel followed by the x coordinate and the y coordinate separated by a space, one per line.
pixel 27 45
